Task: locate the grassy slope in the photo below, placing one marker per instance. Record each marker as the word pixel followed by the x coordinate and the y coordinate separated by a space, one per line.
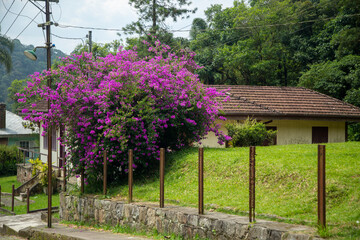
pixel 286 182
pixel 7 182
pixel 40 200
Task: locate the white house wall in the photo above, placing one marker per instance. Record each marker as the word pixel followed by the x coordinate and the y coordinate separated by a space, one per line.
pixel 55 154
pixel 291 132
pixel 300 131
pixel 211 140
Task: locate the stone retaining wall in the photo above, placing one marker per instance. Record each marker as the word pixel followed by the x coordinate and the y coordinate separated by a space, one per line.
pixel 24 172
pixel 181 221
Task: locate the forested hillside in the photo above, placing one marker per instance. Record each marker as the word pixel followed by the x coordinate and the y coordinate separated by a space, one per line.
pixel 22 67
pixel 311 43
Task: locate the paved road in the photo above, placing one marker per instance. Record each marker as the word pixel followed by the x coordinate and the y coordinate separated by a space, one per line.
pixel 18 223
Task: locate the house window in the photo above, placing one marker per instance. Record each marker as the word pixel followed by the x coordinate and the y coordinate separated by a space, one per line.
pixel 25 145
pixel 53 140
pixel 320 134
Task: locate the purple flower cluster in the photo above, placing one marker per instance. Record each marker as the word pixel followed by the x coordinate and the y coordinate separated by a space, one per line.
pixel 123 102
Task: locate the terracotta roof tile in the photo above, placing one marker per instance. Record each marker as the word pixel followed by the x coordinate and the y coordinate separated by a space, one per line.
pixel 285 102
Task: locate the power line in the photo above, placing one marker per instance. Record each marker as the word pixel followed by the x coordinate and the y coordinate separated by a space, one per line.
pixel 52 15
pixel 16 17
pixel 68 38
pixel 271 25
pixel 206 30
pixel 32 20
pixel 6 9
pixel 90 28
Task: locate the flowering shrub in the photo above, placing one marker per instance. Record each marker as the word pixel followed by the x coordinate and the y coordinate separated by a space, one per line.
pixel 123 102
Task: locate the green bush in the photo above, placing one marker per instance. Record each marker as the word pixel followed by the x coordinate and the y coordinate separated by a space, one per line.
pixel 249 133
pixel 8 160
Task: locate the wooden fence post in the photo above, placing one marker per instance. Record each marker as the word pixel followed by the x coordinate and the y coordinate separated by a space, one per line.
pixel 105 174
pixel 162 175
pixel 201 180
pixel 321 187
pixel 130 179
pixel 64 180
pixel 12 198
pixel 252 185
pixel 82 179
pixel 27 200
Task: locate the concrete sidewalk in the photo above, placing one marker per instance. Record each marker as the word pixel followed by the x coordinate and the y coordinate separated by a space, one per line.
pixel 30 226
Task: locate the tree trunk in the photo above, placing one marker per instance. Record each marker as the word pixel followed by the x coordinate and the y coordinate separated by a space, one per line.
pixel 153 28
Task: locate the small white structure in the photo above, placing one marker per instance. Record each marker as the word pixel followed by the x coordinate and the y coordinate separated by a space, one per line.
pixel 300 115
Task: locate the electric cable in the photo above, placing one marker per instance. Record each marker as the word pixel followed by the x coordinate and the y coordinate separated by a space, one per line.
pixel 17 13
pixel 28 25
pixel 7 10
pixel 52 15
pixel 205 30
pixel 16 17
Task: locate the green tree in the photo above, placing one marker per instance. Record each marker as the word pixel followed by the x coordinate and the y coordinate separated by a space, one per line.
pixel 153 13
pixel 198 25
pixel 151 24
pixel 99 49
pixel 17 86
pixel 6 48
pixel 338 78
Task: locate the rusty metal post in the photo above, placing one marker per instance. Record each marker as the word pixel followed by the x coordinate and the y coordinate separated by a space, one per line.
pixel 24 157
pixel 27 200
pixel 82 179
pixel 321 187
pixel 12 198
pixel 105 174
pixel 130 179
pixel 252 185
pixel 162 174
pixel 201 180
pixel 64 180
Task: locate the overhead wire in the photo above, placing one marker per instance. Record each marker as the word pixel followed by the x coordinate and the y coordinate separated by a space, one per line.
pixel 16 17
pixel 52 15
pixel 205 30
pixel 20 15
pixel 7 10
pixel 32 20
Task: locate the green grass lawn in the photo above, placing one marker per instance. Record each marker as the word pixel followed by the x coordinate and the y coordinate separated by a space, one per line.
pixel 286 183
pixel 40 200
pixel 7 182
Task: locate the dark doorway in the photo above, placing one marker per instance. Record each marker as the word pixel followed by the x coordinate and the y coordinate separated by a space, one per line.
pixel 320 134
pixel 3 141
pixel 273 141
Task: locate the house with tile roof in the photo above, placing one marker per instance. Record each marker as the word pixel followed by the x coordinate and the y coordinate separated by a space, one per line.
pixel 57 150
pixel 12 132
pixel 300 115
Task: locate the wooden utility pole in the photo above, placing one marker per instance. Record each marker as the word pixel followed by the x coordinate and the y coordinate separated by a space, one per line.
pixel 90 41
pixel 49 130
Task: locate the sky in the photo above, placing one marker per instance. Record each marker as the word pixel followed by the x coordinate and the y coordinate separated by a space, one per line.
pixel 111 14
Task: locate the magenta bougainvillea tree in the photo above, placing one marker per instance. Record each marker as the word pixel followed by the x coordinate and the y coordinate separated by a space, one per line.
pixel 123 102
